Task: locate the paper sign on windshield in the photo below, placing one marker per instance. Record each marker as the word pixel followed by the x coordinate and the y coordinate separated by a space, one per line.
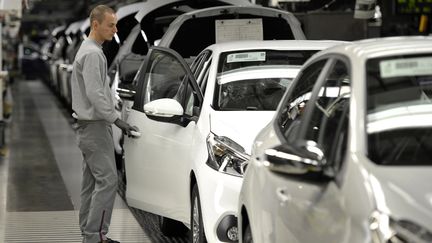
pixel 419 66
pixel 238 29
pixel 246 57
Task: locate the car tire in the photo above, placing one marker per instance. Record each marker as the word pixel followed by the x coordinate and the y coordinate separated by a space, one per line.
pixel 170 227
pixel 247 238
pixel 197 228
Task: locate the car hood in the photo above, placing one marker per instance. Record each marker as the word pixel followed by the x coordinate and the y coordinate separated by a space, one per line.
pixel 405 192
pixel 240 126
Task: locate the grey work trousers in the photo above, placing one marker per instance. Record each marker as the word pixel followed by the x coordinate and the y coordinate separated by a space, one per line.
pixel 99 183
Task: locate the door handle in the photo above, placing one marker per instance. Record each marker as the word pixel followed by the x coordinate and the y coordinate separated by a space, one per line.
pixel 282 196
pixel 135 134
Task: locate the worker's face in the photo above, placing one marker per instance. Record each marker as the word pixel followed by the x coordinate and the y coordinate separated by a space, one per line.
pixel 107 28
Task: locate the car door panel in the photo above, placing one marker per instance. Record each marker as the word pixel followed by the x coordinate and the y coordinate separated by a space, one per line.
pixel 302 202
pixel 157 172
pixel 158 162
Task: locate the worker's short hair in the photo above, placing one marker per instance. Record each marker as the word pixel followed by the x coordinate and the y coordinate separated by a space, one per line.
pixel 98 13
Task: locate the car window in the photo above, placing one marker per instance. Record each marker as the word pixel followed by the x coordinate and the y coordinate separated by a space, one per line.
pixel 293 106
pixel 260 93
pixel 191 100
pixel 202 81
pixel 167 77
pixel 328 123
pixel 398 81
pixel 399 98
pixel 187 95
pixel 163 76
pixel 255 79
pixel 200 77
pixel 232 60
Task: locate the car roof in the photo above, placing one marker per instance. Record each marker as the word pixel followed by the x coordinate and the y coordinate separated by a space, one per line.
pixel 380 47
pixel 274 44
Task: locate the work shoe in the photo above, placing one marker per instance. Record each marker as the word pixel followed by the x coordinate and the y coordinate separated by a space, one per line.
pixel 109 241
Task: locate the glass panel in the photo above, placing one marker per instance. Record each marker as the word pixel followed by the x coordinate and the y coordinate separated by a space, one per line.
pixel 292 110
pixel 398 81
pixel 399 110
pixel 252 94
pixel 410 146
pixel 255 79
pixel 329 119
pixel 229 61
pixel 164 74
pixel 191 100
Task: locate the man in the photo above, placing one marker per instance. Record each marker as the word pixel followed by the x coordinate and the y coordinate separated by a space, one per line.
pixel 94 110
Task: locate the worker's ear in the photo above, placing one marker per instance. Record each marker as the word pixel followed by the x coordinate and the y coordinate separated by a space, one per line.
pixel 95 24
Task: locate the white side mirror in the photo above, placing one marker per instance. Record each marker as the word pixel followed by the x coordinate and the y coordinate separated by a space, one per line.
pixel 163 108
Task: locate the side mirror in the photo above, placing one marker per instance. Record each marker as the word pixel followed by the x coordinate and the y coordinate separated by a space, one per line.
pixel 163 108
pixel 298 159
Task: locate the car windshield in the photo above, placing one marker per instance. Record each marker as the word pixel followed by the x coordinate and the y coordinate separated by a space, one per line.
pixel 399 110
pixel 255 80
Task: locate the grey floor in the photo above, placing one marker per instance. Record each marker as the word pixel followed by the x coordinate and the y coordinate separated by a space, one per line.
pixel 40 174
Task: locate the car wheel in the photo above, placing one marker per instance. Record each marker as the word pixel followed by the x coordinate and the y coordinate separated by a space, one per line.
pixel 197 227
pixel 247 238
pixel 170 227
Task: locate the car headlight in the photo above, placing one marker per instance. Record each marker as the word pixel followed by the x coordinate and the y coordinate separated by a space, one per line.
pixel 226 156
pixel 387 230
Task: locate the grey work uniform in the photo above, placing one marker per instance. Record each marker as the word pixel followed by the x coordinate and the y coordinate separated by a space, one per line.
pixel 94 108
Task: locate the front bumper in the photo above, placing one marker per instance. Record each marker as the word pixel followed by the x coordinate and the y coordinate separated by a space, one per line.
pixel 219 194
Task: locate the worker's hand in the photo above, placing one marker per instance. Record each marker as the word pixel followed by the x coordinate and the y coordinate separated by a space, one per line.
pixel 125 127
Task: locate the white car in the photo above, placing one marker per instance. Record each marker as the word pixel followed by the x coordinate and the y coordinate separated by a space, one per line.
pixel 60 60
pixel 151 20
pixel 243 20
pixel 348 156
pixel 197 126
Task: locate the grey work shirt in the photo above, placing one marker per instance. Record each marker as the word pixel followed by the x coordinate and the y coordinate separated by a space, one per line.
pixel 91 95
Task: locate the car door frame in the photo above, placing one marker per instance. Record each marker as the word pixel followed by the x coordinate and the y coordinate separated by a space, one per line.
pixel 332 185
pixel 332 59
pixel 139 96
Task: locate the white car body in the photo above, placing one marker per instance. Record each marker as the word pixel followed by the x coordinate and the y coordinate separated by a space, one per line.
pixel 364 201
pixel 143 10
pixel 168 160
pixel 52 62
